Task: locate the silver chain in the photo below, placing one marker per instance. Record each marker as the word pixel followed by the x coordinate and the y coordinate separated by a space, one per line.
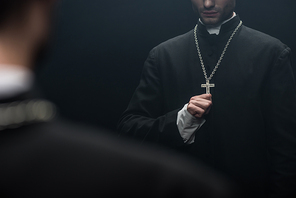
pixel 222 55
pixel 17 114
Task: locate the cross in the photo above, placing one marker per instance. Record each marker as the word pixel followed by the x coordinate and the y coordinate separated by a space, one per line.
pixel 207 86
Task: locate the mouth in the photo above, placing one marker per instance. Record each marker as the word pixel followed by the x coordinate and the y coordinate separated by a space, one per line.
pixel 210 13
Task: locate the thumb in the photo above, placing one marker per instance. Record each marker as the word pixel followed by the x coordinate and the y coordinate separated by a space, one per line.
pixel 206 96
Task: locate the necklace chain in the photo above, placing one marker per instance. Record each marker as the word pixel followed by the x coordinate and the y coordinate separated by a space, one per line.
pixel 221 57
pixel 17 114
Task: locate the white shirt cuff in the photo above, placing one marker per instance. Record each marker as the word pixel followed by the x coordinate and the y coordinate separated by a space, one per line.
pixel 188 125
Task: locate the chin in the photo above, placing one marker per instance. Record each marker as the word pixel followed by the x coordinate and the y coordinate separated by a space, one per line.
pixel 211 21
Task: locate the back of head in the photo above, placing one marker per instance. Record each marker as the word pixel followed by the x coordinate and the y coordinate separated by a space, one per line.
pixel 10 8
pixel 24 30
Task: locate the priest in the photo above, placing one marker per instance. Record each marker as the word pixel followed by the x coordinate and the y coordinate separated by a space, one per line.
pixel 223 93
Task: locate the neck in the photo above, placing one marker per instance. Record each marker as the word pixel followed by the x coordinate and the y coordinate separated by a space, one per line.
pixel 15 50
pixel 215 29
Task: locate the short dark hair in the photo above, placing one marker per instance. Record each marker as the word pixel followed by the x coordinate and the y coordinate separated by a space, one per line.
pixel 10 7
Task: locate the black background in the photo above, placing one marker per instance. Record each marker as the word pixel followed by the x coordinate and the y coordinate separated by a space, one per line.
pixel 95 59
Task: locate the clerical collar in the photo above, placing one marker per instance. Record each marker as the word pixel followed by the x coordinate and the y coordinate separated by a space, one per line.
pixel 216 29
pixel 14 80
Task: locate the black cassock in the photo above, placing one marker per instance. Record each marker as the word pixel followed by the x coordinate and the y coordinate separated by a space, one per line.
pixel 250 133
pixel 62 159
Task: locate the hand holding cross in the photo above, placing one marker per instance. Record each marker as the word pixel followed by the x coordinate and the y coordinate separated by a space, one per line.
pixel 199 106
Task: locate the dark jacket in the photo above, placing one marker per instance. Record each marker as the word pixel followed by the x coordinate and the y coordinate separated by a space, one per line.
pixel 250 133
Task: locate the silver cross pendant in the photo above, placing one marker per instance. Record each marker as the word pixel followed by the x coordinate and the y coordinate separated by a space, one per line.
pixel 208 86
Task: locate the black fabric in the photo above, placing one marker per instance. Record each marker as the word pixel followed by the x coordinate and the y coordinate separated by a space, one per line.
pixel 250 133
pixel 62 159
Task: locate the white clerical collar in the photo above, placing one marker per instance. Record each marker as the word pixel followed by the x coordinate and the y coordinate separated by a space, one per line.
pixel 216 29
pixel 14 80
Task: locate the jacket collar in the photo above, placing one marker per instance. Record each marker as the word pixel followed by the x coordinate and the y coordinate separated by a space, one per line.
pixel 225 28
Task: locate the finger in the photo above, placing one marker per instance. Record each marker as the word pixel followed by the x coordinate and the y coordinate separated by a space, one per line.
pixel 195 111
pixel 204 104
pixel 206 96
pixel 203 96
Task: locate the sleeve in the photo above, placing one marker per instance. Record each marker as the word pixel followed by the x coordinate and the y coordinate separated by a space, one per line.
pixel 280 113
pixel 145 118
pixel 188 125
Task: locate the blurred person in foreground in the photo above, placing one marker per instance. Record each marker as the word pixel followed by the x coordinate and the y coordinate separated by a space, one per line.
pixel 43 157
pixel 225 94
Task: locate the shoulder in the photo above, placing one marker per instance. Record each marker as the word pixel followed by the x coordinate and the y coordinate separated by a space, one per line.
pixel 178 41
pixel 262 41
pixel 94 156
pixel 174 45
